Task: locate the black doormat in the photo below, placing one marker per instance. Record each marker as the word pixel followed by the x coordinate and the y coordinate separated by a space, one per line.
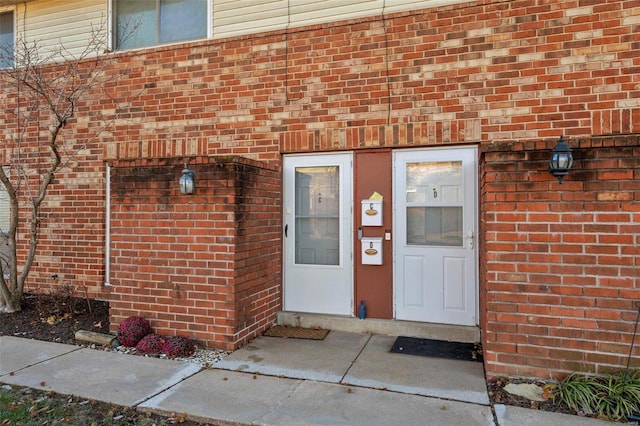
pixel 437 349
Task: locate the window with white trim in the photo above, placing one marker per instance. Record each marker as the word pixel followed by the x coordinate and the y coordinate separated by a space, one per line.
pixel 143 23
pixel 5 214
pixel 4 207
pixel 7 38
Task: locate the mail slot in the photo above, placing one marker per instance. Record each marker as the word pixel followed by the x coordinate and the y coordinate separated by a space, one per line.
pixel 371 251
pixel 371 212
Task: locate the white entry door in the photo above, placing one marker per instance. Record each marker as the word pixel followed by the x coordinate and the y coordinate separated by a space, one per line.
pixel 435 271
pixel 318 235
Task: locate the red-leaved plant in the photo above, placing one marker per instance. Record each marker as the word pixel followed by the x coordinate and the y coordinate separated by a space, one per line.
pixel 132 330
pixel 178 347
pixel 150 344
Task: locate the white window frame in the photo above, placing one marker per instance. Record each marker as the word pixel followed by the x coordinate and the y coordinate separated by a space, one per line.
pixel 111 42
pixel 12 9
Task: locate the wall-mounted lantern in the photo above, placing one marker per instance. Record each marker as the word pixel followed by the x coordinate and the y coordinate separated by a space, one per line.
pixel 187 181
pixel 561 160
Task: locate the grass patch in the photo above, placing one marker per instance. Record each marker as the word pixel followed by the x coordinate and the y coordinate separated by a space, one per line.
pixel 22 408
pixel 27 407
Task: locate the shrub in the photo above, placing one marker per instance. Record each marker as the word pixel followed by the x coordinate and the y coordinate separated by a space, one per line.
pixel 612 396
pixel 132 330
pixel 178 347
pixel 150 344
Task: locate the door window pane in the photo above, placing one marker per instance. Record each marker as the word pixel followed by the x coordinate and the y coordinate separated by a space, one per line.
pixel 6 39
pixel 434 226
pixel 144 23
pixel 434 182
pixel 434 203
pixel 317 215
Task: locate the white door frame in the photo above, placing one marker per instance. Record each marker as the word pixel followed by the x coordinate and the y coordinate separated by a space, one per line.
pixel 317 288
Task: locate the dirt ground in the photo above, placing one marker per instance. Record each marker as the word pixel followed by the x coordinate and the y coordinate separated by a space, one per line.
pixel 498 395
pixel 55 318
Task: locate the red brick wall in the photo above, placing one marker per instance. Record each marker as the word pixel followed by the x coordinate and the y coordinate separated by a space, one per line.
pixel 257 278
pixel 561 270
pixel 497 73
pixel 474 72
pixel 70 243
pixel 205 265
pixel 520 73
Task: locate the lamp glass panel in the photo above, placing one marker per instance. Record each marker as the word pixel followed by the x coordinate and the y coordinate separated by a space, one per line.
pixel 562 160
pixel 186 184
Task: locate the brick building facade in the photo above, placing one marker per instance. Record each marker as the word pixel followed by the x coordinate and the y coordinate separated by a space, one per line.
pixel 558 276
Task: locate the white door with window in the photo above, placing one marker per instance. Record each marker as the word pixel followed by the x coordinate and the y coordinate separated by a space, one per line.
pixel 318 266
pixel 435 220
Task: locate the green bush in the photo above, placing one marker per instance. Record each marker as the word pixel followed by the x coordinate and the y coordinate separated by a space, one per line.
pixel 610 396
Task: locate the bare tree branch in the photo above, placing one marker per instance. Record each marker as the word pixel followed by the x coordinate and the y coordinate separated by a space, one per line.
pixel 47 94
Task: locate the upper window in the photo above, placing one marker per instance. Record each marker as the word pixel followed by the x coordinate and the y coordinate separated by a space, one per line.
pixel 144 23
pixel 7 39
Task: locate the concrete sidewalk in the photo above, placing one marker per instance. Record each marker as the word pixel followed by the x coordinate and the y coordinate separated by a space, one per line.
pixel 346 379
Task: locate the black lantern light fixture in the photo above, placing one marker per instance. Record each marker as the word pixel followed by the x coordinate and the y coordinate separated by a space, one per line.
pixel 561 160
pixel 187 181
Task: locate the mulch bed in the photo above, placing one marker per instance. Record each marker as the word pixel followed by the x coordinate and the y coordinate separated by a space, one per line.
pixel 46 317
pixel 498 395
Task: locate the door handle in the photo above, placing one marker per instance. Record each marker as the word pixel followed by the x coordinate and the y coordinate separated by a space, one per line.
pixel 286 229
pixel 470 237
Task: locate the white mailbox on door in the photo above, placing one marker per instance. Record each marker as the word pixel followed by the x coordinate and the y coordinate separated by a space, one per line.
pixel 371 250
pixel 371 212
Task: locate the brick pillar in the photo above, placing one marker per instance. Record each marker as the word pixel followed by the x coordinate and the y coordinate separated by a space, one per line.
pixel 560 260
pixel 206 265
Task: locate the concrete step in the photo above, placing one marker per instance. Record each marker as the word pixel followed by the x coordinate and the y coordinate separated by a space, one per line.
pixel 423 330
